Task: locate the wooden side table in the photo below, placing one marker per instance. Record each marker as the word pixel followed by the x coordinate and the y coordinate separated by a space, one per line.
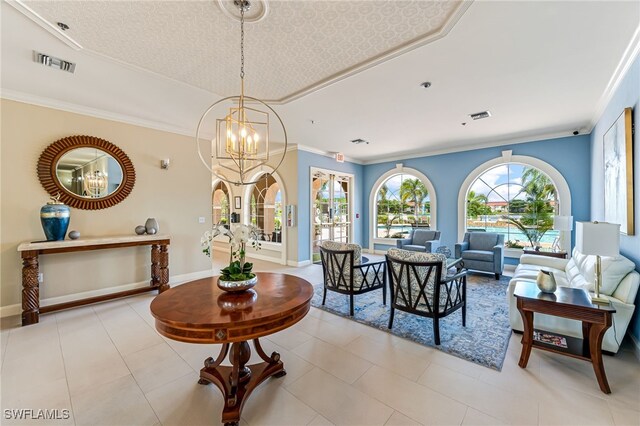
pixel 569 303
pixel 199 312
pixel 558 254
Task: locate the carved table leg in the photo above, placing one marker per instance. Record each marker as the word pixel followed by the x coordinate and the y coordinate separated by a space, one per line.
pixel 527 336
pixel 596 333
pixel 238 381
pixel 155 265
pixel 30 288
pixel 164 268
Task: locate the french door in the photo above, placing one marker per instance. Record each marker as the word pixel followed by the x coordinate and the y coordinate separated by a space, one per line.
pixel 331 208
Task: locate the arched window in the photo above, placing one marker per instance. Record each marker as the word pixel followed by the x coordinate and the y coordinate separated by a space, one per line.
pixel 265 208
pixel 402 202
pixel 220 204
pixel 517 200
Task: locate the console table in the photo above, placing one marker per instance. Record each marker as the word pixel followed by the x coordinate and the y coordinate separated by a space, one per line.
pixel 30 251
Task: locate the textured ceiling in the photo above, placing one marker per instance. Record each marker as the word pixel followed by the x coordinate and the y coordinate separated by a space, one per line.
pixel 309 42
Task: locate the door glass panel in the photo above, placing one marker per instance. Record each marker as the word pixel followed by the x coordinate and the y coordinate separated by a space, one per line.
pixel 331 213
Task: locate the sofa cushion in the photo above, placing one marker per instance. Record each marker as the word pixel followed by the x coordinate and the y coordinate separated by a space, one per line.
pixel 421 236
pixel 482 241
pixel 530 272
pixel 581 272
pixel 483 255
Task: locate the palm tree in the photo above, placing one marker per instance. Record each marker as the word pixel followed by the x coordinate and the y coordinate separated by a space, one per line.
pixel 415 191
pixel 536 182
pixel 537 218
pixel 476 204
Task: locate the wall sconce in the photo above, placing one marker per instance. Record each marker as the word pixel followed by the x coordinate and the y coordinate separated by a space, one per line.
pixel 164 164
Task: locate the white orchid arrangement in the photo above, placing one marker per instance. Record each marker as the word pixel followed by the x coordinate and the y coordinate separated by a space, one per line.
pixel 238 269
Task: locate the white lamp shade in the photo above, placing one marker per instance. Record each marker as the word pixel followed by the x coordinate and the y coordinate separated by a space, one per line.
pixel 563 223
pixel 598 238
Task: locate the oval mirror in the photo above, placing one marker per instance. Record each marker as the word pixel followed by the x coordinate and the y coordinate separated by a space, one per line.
pixel 88 172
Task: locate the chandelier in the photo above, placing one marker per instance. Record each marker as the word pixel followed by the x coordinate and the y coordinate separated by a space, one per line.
pixel 242 135
pixel 95 183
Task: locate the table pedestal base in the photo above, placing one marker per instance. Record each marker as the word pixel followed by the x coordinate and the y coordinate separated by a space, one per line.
pixel 238 381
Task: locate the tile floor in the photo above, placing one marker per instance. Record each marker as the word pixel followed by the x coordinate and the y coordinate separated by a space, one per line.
pixel 107 365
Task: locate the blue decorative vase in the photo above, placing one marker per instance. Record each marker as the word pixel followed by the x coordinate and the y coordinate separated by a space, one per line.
pixel 54 217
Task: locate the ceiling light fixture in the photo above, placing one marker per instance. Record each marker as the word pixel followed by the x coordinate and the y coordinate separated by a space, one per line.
pixel 241 142
pixel 426 84
pixel 359 141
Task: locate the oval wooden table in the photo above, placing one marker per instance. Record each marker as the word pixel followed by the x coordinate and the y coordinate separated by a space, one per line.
pixel 199 312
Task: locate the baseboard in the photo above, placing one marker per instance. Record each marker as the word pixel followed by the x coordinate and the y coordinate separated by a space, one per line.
pixel 10 310
pixel 636 346
pixel 299 264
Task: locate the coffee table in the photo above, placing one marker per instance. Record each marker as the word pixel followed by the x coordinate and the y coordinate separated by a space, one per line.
pixel 569 303
pixel 199 312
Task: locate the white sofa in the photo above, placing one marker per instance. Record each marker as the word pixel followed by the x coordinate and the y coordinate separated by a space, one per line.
pixel 620 286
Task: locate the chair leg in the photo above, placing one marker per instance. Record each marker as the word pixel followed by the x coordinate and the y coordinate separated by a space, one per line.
pixel 464 314
pixel 351 304
pixel 497 276
pixel 384 294
pixel 324 295
pixel 391 318
pixel 436 330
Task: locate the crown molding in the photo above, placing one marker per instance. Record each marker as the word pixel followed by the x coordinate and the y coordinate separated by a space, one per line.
pixel 630 54
pixel 327 153
pixel 472 147
pixel 44 24
pixel 92 112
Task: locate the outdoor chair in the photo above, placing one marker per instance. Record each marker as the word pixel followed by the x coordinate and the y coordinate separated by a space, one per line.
pixel 420 285
pixel 482 251
pixel 343 272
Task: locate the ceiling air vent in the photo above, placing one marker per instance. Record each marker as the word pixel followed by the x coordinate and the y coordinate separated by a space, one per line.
pixel 359 141
pixel 480 115
pixel 54 62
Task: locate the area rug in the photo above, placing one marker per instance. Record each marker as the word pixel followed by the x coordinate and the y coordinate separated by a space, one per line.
pixel 484 340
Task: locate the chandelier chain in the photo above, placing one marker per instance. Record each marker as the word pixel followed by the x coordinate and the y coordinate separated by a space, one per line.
pixel 242 39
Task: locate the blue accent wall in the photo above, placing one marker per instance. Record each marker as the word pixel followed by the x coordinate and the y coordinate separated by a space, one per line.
pixel 306 160
pixel 626 95
pixel 571 156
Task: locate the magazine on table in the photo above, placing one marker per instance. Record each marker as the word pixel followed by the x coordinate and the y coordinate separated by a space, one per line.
pixel 550 339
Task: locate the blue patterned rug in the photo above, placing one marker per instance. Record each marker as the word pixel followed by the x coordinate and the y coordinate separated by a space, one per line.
pixel 484 340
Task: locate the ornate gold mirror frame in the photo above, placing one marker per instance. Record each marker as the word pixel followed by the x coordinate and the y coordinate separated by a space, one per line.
pixel 48 161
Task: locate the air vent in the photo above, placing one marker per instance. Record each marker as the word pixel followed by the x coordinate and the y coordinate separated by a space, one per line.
pixel 54 62
pixel 480 115
pixel 359 141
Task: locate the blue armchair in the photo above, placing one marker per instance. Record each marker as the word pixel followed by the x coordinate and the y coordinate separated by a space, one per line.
pixel 482 251
pixel 423 240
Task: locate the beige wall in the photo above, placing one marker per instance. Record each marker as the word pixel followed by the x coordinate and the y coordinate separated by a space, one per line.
pixel 175 197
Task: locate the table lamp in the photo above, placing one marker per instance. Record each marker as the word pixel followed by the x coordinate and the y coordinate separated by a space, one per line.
pixel 598 239
pixel 562 224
